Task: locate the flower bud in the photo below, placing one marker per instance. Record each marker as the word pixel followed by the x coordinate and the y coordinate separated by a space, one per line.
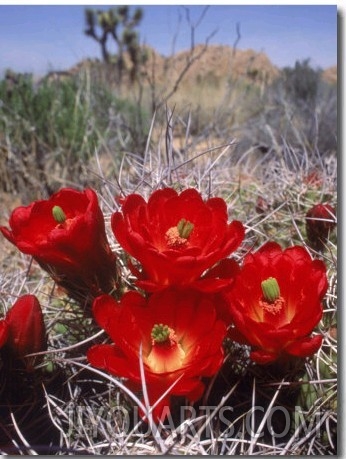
pixel 26 329
pixel 320 221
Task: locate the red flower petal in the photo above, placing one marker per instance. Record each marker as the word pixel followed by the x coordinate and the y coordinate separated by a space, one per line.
pixel 3 332
pixel 106 312
pixel 109 357
pixel 263 357
pixel 305 347
pixel 225 269
pixel 131 310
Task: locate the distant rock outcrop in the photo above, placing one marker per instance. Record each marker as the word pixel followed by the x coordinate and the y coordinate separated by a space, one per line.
pixel 212 64
pixel 330 75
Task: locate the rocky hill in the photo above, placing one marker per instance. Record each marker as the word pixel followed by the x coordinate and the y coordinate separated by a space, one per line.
pixel 215 63
pixel 212 64
pixel 330 75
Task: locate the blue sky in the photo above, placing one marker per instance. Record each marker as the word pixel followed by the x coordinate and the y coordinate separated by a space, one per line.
pixel 39 38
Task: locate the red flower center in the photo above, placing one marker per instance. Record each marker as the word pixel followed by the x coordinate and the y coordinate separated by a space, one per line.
pixel 271 301
pixel 166 353
pixel 163 335
pixel 177 236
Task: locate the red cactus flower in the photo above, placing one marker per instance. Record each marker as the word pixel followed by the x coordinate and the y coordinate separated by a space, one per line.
pixel 275 302
pixel 179 334
pixel 66 236
pixel 175 237
pixel 24 327
pixel 320 221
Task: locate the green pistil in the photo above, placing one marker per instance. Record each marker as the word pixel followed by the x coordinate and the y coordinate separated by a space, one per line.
pixel 58 214
pixel 160 333
pixel 185 228
pixel 270 289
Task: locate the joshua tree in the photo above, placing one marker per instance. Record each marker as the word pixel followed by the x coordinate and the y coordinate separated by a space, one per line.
pixel 118 24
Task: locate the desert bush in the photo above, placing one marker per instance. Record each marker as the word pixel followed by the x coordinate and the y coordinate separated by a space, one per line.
pixel 291 121
pixel 52 129
pixel 301 82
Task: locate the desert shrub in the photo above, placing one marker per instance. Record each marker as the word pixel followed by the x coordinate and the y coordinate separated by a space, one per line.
pixel 292 120
pixel 301 82
pixel 54 127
